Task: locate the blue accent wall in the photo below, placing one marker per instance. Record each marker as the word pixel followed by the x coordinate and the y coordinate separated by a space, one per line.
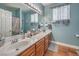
pixel 66 34
pixel 26 21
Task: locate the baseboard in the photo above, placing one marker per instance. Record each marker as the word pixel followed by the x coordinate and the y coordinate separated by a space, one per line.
pixel 64 44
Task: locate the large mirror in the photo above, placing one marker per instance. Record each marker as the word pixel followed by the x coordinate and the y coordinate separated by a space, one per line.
pixel 15 18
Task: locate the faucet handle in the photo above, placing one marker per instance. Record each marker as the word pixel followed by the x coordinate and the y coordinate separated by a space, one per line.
pixel 16 40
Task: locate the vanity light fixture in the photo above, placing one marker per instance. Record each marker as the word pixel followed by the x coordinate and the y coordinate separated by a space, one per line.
pixel 33 7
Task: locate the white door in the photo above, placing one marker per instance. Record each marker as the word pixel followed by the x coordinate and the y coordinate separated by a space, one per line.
pixel 8 23
pixel 3 23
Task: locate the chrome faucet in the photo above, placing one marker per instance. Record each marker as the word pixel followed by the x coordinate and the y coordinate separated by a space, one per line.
pixel 14 41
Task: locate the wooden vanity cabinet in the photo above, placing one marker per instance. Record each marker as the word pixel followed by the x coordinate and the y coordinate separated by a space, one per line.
pixel 40 47
pixel 29 52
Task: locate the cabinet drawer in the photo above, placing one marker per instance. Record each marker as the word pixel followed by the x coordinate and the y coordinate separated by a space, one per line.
pixel 40 51
pixel 46 39
pixel 50 38
pixel 32 54
pixel 41 42
pixel 46 47
pixel 30 51
pixel 46 43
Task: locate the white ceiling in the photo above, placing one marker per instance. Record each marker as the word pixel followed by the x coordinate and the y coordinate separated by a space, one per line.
pixel 26 9
pixel 17 5
pixel 46 4
pixel 51 4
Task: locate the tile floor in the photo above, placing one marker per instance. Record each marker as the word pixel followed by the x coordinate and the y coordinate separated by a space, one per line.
pixel 62 51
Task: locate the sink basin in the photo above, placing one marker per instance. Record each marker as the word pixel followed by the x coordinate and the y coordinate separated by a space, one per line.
pixel 18 45
pixel 13 48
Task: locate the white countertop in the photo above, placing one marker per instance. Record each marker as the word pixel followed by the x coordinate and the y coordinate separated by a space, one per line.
pixel 32 40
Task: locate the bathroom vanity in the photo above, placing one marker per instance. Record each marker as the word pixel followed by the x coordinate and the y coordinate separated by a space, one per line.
pixel 39 48
pixel 37 45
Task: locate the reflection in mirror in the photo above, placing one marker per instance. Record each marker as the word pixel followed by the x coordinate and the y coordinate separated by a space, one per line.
pixel 15 25
pixel 14 18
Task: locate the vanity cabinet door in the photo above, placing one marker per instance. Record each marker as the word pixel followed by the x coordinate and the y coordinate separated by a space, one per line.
pixel 29 52
pixel 40 51
pixel 46 43
pixel 40 48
